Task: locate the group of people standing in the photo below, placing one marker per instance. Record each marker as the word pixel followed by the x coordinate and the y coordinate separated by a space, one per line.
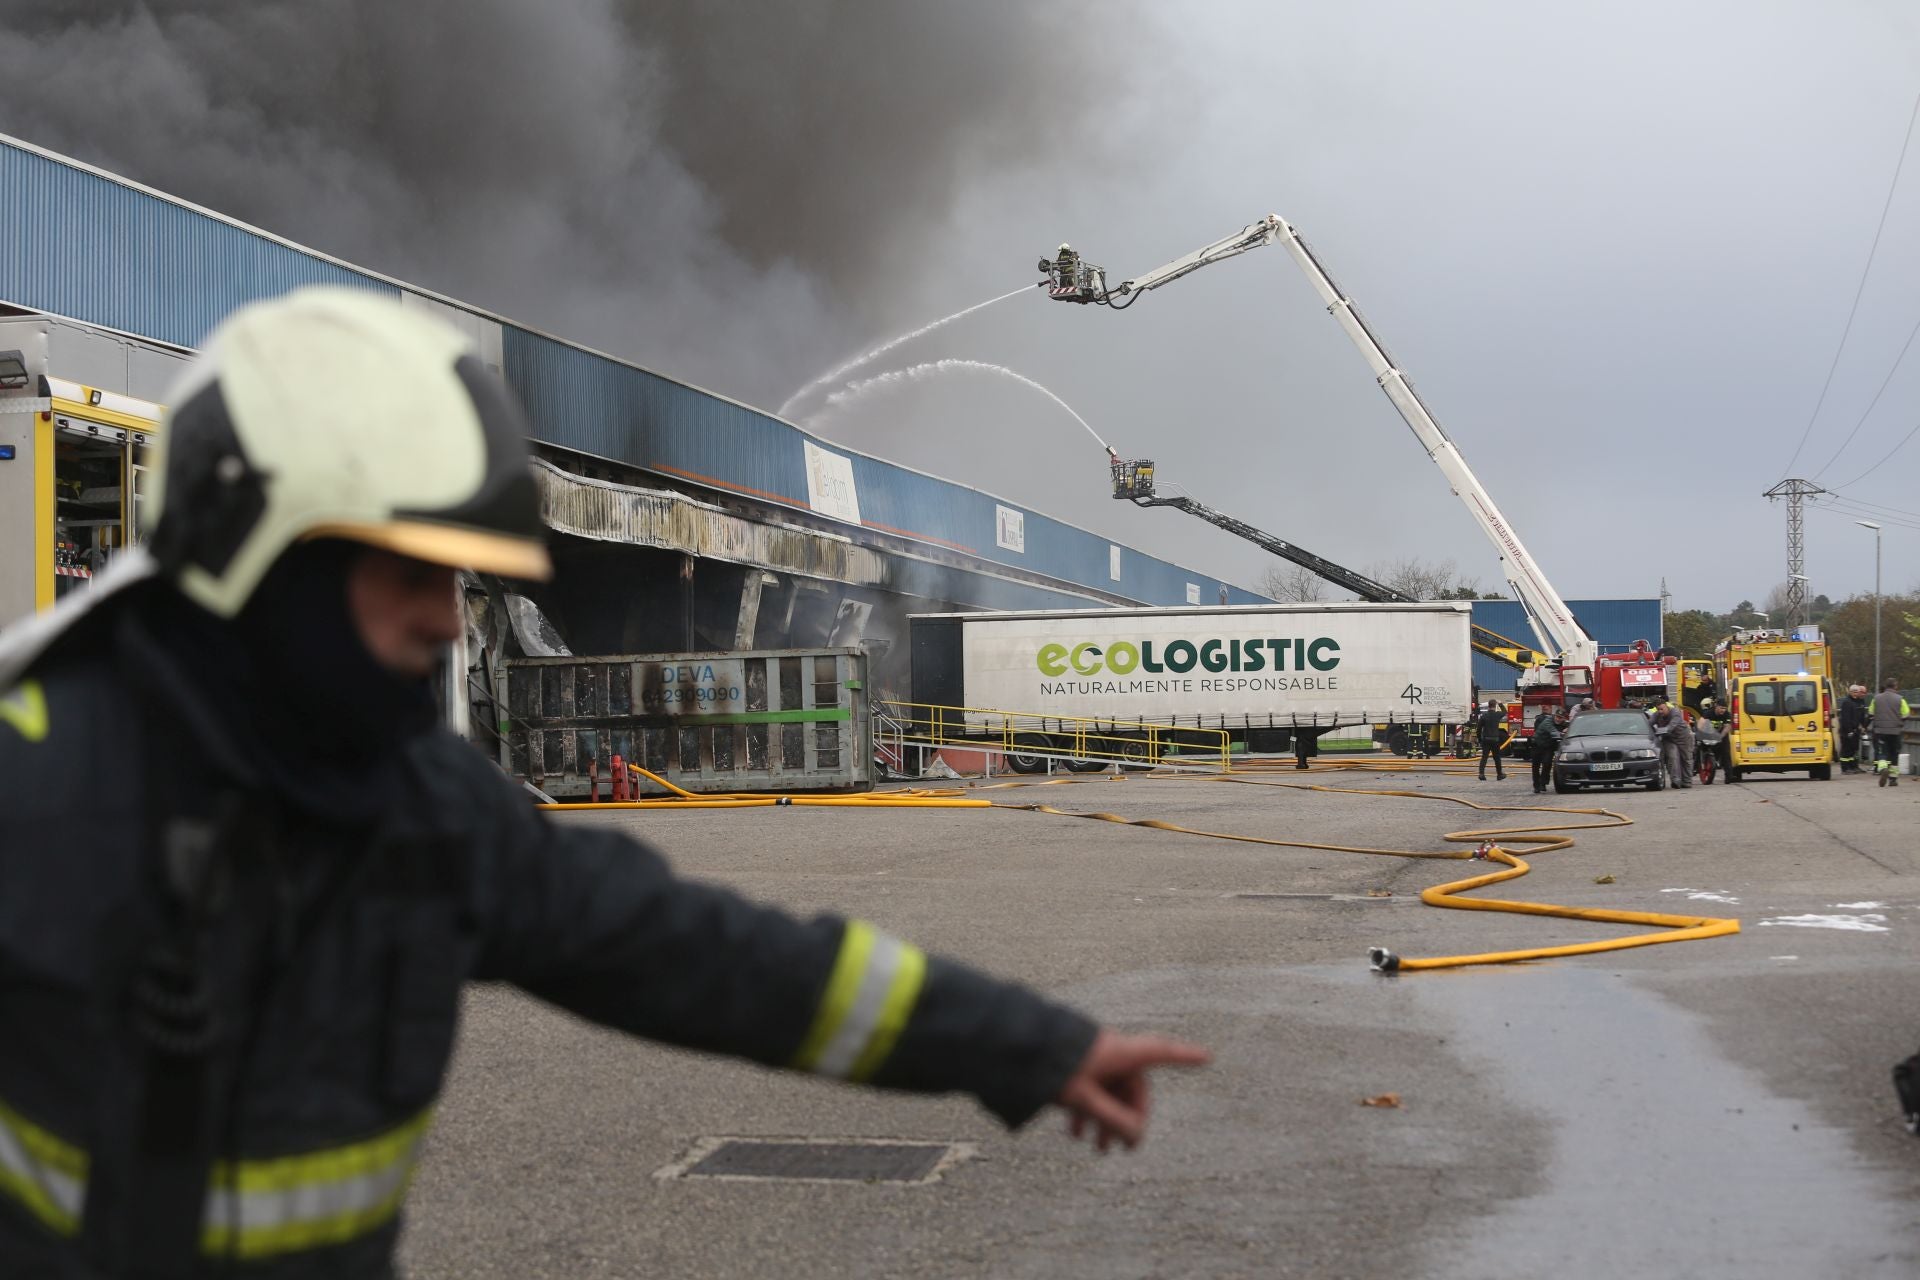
pixel 1670 729
pixel 1875 725
pixel 1496 733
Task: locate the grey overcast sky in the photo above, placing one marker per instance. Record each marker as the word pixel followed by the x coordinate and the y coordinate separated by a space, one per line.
pixel 1614 246
pixel 1614 252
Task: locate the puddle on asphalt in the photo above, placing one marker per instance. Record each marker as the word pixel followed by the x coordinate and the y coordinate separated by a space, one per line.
pixel 1667 1156
pixel 1871 923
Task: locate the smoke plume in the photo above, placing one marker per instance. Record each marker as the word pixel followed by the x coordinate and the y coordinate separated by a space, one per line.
pixel 715 189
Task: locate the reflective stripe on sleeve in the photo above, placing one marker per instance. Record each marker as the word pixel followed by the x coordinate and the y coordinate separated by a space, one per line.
pixel 875 983
pixel 259 1208
pixel 44 1175
pixel 25 708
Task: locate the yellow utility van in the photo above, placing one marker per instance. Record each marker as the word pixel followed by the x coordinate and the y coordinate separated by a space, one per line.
pixel 1780 722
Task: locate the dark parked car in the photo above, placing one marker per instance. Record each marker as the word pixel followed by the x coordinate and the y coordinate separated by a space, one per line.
pixel 1608 749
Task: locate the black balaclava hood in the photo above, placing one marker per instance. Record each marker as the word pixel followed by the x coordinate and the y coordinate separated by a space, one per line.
pixel 293 687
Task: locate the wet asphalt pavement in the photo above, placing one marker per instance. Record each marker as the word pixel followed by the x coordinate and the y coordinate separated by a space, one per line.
pixel 1712 1108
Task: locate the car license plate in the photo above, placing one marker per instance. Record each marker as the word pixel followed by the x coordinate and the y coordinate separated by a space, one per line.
pixel 1608 768
pixel 1804 751
pixel 1761 750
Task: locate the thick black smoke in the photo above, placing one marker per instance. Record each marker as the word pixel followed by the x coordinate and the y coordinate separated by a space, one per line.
pixel 713 188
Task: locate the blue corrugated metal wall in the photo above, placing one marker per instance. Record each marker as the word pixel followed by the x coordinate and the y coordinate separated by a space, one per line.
pixel 82 244
pixel 1615 624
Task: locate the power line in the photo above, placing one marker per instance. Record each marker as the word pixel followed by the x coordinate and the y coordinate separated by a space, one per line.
pixel 1884 383
pixel 1881 506
pixel 1877 518
pixel 1858 292
pixel 1904 441
pixel 1841 507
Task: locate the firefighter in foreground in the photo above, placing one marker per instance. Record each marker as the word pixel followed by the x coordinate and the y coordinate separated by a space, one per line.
pixel 244 875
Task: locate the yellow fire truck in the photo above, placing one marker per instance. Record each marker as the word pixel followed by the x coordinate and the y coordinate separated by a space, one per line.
pixel 1779 694
pixel 74 452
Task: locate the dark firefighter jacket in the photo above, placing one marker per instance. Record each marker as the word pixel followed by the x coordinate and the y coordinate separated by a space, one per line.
pixel 1854 714
pixel 1546 736
pixel 268 1125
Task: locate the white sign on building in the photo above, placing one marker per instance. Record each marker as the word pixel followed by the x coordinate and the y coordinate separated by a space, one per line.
pixel 830 488
pixel 1010 528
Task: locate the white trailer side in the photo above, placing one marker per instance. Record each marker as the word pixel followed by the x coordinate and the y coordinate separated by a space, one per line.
pixel 1263 666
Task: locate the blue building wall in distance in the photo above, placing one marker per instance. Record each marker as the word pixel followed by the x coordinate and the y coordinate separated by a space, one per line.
pixel 1616 624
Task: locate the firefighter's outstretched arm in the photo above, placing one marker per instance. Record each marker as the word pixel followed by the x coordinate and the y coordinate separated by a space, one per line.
pixel 599 925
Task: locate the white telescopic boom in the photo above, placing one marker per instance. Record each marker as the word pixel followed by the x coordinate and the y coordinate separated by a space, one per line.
pixel 1552 621
pixel 1254 236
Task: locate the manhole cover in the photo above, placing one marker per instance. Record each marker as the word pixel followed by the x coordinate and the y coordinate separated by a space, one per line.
pixel 818 1160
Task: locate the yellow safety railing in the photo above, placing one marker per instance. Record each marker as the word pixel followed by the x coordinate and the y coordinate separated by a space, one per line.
pixel 1124 742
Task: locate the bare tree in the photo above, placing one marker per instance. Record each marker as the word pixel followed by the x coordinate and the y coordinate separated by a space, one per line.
pixel 1776 607
pixel 1292 582
pixel 1424 579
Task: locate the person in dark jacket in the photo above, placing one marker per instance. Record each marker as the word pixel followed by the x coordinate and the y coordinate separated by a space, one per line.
pixel 230 974
pixel 1494 736
pixel 1853 723
pixel 1548 728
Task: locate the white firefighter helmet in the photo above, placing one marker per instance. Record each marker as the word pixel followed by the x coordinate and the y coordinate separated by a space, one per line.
pixel 334 412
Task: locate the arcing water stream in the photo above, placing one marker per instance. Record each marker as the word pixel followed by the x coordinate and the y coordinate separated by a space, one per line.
pixel 921 372
pixel 834 375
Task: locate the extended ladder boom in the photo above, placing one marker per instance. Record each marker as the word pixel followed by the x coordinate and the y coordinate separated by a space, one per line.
pixel 1341 576
pixel 1253 236
pixel 1553 623
pixel 1549 614
pixel 1133 481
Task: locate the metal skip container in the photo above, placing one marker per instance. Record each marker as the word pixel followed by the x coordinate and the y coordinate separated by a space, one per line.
pixel 773 720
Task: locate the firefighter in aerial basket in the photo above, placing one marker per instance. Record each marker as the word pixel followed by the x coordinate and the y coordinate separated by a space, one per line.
pixel 231 966
pixel 1067 264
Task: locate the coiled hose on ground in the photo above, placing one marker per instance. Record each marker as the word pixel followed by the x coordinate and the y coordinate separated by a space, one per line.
pixel 1487 842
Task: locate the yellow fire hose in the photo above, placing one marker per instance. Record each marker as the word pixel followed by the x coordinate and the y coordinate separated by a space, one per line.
pixel 681 798
pixel 1544 839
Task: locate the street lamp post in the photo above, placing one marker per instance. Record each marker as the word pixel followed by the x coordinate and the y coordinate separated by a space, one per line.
pixel 1868 524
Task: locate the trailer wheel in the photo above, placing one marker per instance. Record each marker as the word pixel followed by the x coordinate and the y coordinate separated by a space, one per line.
pixel 1134 755
pixel 1020 761
pixel 1087 766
